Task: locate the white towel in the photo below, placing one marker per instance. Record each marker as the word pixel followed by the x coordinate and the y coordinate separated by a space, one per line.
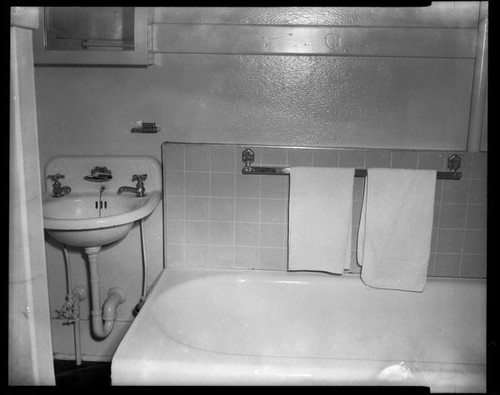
pixel 395 230
pixel 320 218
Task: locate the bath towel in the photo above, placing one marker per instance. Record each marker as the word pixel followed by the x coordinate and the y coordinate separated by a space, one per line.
pixel 320 218
pixel 395 229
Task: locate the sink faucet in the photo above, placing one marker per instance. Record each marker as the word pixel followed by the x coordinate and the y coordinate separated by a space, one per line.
pixel 139 190
pixel 57 189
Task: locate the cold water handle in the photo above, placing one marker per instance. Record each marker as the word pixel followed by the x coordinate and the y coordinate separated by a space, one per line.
pixel 140 178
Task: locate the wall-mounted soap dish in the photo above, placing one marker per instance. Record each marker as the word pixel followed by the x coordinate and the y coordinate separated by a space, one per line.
pixel 145 127
pixel 99 174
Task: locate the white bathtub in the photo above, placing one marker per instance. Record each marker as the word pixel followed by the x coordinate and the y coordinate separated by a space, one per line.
pixel 203 327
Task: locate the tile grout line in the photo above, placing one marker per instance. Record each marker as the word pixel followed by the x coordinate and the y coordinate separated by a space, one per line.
pixel 285 213
pixel 184 205
pixel 433 254
pixel 258 228
pixel 274 198
pixel 209 206
pixel 235 156
pixel 466 215
pixel 283 248
pixel 284 245
pixel 436 229
pixel 439 220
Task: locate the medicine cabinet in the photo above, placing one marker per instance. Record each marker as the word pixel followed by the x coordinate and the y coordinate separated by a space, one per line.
pixel 104 36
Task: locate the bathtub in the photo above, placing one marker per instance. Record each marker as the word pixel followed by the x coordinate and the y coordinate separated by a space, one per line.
pixel 260 327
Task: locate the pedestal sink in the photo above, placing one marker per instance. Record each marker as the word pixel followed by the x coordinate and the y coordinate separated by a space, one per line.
pixel 98 205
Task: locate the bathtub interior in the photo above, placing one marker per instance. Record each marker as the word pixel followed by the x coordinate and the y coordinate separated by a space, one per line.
pixel 288 316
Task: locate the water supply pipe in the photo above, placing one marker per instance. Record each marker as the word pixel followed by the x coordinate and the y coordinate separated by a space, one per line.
pixel 77 294
pixel 115 297
pixel 144 261
pixel 138 306
pixel 77 332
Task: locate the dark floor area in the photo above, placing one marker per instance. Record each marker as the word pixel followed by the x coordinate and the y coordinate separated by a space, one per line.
pixel 88 373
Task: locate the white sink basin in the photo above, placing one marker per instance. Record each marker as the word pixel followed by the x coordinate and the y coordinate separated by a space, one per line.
pixel 74 219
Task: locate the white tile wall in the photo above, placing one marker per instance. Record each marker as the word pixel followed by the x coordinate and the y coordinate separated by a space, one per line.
pixel 218 217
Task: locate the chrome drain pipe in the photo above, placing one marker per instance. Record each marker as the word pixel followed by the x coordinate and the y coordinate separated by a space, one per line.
pixel 116 296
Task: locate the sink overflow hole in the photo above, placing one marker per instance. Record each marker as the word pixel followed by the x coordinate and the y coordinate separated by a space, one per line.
pixel 100 204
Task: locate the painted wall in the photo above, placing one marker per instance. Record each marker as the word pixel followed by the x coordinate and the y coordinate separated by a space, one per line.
pixel 285 100
pixel 386 102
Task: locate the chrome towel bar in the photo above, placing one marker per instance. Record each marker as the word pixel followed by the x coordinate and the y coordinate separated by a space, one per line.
pixel 248 156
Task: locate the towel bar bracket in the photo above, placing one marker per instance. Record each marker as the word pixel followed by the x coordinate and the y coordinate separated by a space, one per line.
pixel 248 157
pixel 454 162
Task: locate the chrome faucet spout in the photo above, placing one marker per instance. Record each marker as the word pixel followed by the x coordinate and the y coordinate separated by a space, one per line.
pixel 126 189
pixel 139 190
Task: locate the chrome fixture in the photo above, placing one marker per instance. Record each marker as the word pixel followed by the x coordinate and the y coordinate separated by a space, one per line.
pixel 145 127
pixel 98 204
pixel 454 162
pixel 248 156
pixel 99 174
pixel 139 190
pixel 57 189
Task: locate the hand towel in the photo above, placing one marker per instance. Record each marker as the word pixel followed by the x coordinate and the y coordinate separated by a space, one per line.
pixel 395 229
pixel 320 218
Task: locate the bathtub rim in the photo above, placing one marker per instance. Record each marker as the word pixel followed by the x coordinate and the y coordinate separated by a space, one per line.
pixel 215 271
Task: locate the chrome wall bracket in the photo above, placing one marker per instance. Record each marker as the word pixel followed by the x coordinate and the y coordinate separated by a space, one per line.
pixel 248 157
